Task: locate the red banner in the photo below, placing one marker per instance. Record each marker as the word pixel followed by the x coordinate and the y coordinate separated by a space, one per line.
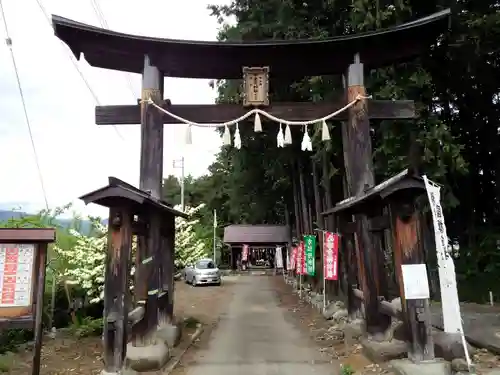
pixel 331 256
pixel 293 258
pixel 301 259
pixel 244 253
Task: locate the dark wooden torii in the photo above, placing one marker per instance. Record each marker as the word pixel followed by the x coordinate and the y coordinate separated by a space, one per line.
pixel 155 58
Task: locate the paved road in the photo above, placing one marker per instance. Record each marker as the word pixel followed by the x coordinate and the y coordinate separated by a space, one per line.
pixel 481 324
pixel 254 338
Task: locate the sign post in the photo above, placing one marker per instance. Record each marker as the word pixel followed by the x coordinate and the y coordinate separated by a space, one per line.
pixel 23 259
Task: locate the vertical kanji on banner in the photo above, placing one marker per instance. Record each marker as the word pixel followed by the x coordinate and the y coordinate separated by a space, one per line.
pixel 300 262
pixel 293 258
pixel 330 256
pixel 310 254
pixel 244 253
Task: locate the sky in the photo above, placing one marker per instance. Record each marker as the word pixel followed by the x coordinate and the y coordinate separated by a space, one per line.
pixel 74 154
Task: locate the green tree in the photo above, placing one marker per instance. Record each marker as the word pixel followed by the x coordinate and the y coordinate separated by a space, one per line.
pixel 455 88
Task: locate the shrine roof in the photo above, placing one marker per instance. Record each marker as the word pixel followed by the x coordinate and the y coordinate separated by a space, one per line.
pixel 238 234
pixel 108 49
pixel 403 181
pixel 119 193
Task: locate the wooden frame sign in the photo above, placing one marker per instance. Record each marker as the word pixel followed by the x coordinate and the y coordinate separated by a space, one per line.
pixel 23 259
pixel 256 86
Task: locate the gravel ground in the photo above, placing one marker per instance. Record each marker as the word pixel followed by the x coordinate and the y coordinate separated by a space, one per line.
pixel 72 356
pixel 256 335
pixel 312 321
pixel 210 315
pixel 67 355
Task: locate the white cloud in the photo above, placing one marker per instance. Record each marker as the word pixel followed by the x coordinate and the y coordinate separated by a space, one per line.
pixel 76 156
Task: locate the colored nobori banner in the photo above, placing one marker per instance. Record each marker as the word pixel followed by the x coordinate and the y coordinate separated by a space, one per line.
pixel 244 253
pixel 300 262
pixel 331 256
pixel 278 258
pixel 452 319
pixel 310 254
pixel 293 258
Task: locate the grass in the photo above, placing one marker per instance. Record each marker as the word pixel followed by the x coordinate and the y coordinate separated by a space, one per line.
pixel 346 370
pixel 191 322
pixel 6 361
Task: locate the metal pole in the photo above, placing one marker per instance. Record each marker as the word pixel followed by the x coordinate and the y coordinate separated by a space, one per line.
pixel 182 184
pixel 324 278
pixel 175 166
pixel 300 286
pixel 215 227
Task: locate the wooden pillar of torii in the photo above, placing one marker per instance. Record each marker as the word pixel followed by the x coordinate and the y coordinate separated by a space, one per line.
pixel 154 245
pixel 360 177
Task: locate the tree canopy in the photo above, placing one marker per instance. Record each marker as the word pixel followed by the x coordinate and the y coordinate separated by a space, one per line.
pixel 455 88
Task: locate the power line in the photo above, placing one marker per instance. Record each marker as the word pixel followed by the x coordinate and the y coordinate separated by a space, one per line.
pixel 75 65
pixel 102 20
pixel 99 13
pixel 8 41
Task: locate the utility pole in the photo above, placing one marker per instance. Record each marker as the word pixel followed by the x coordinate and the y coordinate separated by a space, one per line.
pixel 215 234
pixel 181 166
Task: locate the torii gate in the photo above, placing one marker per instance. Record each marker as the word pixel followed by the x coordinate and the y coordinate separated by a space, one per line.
pixel 155 58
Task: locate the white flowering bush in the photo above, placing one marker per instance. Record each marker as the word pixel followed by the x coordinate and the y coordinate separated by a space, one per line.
pixel 188 246
pixel 85 261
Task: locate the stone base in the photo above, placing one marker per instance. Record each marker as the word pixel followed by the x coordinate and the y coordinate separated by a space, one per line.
pixel 459 366
pixel 407 367
pixel 331 309
pixel 147 358
pixel 384 351
pixel 449 345
pixel 170 334
pixel 125 371
pixel 354 329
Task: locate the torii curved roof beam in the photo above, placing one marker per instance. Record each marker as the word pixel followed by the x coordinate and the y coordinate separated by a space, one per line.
pixel 224 60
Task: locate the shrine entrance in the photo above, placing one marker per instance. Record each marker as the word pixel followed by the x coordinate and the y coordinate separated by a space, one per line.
pixel 257 247
pixel 258 257
pixel 259 65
